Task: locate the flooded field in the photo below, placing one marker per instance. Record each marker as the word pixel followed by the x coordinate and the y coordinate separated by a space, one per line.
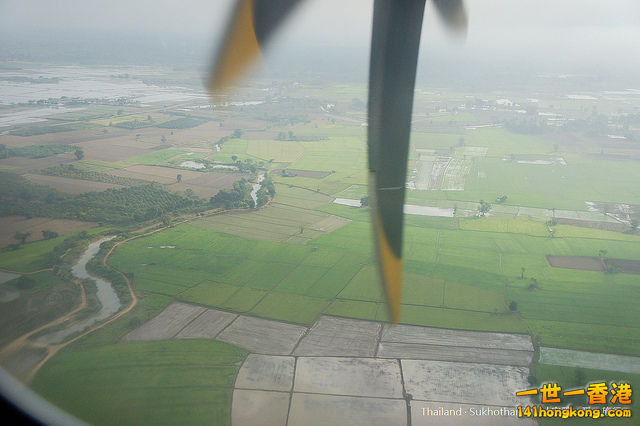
pixel 443 170
pixel 342 369
pixel 87 83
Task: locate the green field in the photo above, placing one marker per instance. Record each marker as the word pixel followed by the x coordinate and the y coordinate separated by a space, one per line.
pixel 460 273
pixel 154 158
pixel 301 256
pixel 578 378
pixel 278 151
pixel 130 383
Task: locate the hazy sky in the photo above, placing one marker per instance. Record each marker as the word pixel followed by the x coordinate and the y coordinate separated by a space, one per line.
pixel 585 28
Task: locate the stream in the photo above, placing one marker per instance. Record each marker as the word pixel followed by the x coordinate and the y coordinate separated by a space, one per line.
pixel 256 188
pixel 106 295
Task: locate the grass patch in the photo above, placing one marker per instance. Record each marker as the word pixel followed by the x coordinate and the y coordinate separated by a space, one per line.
pixel 159 157
pixel 290 307
pixel 209 293
pixel 167 382
pixel 30 256
pixel 569 378
pixel 278 151
pixel 244 300
pixel 353 309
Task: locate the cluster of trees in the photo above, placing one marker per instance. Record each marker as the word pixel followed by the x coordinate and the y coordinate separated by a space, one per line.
pixel 593 125
pixel 48 234
pixel 22 237
pixel 247 166
pixel 237 198
pixel 530 125
pixel 35 151
pixel 71 171
pixel 287 173
pixel 267 190
pixel 289 136
pixel 484 208
pixel 133 204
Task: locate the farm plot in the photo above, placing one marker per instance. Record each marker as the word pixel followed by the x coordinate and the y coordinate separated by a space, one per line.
pixel 436 170
pixel 585 263
pixel 166 382
pixel 134 120
pixel 299 197
pixel 165 175
pixel 70 185
pixel 592 263
pixel 455 174
pixel 340 378
pixel 429 170
pixel 278 151
pixel 276 223
pixel 114 149
pixel 154 157
pixel 10 224
pixel 207 184
pixel 23 164
pixel 349 165
pixel 309 173
pixel 569 358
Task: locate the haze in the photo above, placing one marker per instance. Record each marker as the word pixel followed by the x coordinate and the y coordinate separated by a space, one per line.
pixel 564 33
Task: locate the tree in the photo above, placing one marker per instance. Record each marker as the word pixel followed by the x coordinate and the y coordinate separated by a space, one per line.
pixel 484 207
pixel 21 236
pixel 602 253
pixel 634 225
pixel 163 138
pixel 47 234
pixel 364 201
pixel 237 134
pixel 79 154
pixel 513 306
pixel 149 117
pixel 522 273
pixel 234 158
pixel 179 178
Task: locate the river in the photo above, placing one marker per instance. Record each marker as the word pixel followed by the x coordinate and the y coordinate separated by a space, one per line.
pixel 106 295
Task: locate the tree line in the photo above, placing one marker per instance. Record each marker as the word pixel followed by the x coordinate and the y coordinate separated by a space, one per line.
pixel 18 196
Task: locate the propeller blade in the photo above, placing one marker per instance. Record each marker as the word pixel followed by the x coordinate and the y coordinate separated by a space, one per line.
pixel 252 23
pixel 453 14
pixel 394 55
